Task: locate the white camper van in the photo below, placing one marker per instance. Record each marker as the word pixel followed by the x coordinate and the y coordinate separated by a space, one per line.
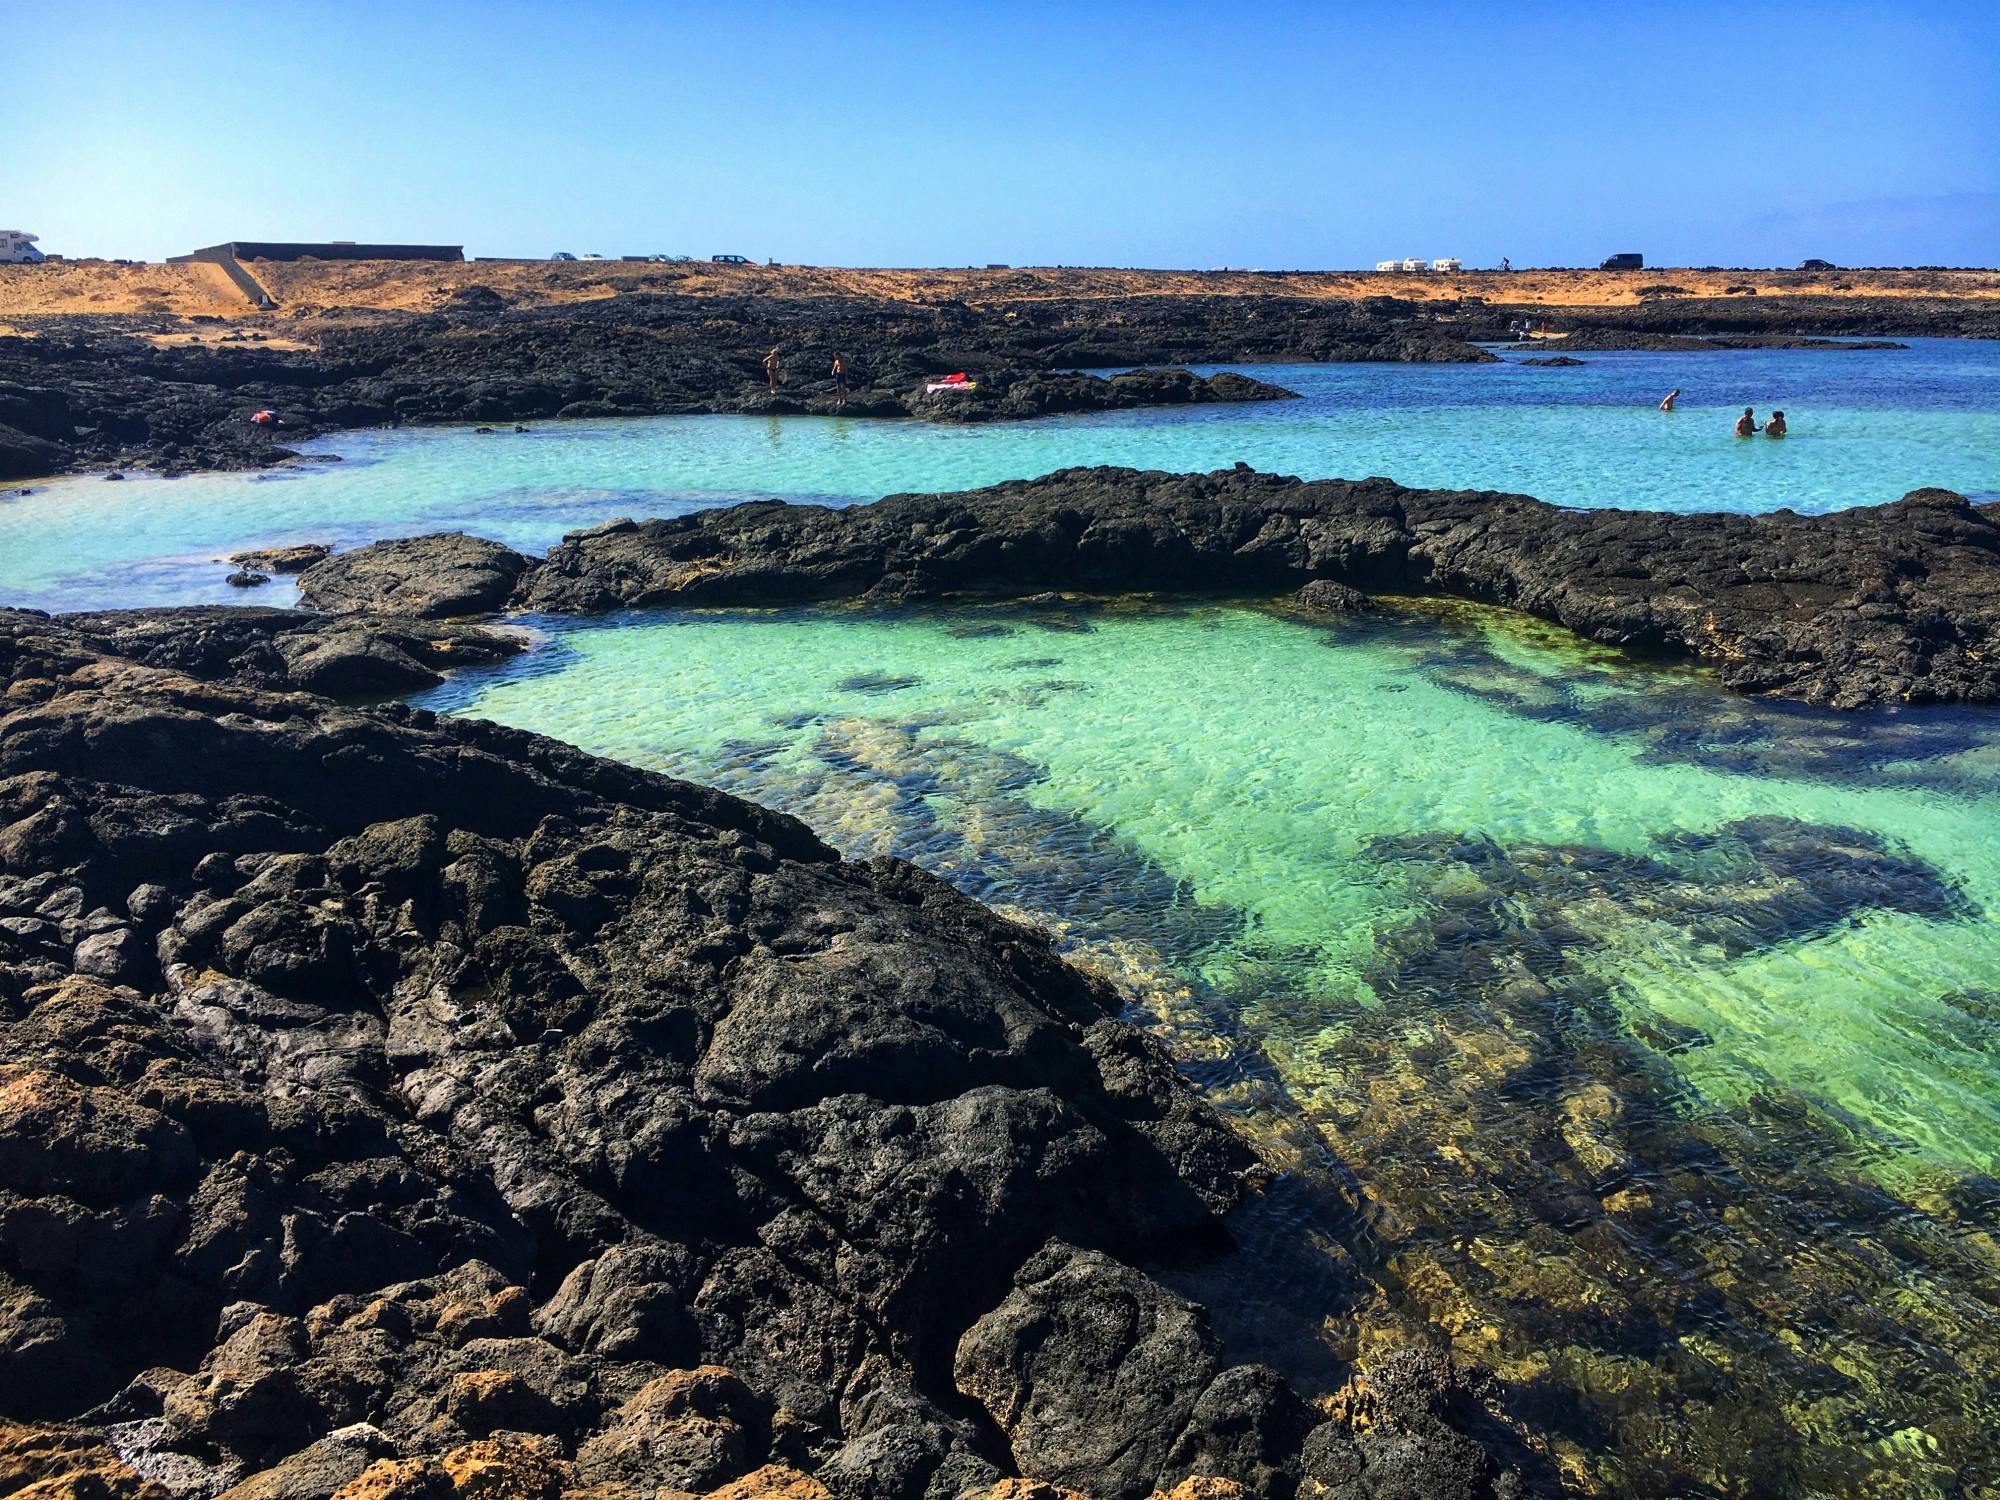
pixel 17 248
pixel 1449 263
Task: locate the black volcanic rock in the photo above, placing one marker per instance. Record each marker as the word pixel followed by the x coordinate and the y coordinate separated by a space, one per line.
pixel 429 577
pixel 379 1088
pixel 25 456
pixel 1009 395
pixel 100 395
pixel 1325 597
pixel 348 657
pixel 293 559
pixel 1877 604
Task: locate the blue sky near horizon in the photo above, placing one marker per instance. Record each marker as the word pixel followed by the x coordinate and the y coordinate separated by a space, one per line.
pixel 1165 134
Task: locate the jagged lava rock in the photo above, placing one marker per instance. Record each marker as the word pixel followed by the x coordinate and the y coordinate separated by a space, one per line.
pixel 459 1102
pixel 1876 604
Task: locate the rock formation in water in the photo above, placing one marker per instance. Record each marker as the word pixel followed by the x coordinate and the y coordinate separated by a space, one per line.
pixel 94 390
pixel 354 655
pixel 403 1106
pixel 1894 603
pixel 71 398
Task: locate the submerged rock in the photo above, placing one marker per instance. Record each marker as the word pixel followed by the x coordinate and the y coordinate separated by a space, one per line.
pixel 295 559
pixel 1325 597
pixel 450 1111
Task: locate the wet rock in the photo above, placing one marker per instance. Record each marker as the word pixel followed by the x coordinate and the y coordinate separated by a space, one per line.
pixel 432 577
pixel 243 578
pixel 1325 597
pixel 294 559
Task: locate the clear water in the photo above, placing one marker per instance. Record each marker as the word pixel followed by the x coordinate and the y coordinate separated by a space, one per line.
pixel 1645 1040
pixel 1648 1036
pixel 1867 426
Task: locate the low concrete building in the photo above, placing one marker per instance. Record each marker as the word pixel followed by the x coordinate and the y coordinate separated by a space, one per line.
pixel 17 248
pixel 325 250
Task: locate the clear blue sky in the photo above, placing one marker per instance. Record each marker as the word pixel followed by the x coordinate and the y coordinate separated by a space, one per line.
pixel 1163 134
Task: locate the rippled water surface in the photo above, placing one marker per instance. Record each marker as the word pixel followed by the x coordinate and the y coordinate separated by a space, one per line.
pixel 1644 1040
pixel 1867 426
pixel 1649 1036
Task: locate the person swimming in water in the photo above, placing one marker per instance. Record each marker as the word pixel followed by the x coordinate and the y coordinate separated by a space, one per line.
pixel 1746 425
pixel 1672 396
pixel 1776 426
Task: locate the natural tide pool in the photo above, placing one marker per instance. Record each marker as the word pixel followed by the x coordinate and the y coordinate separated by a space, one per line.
pixel 1867 426
pixel 1644 1040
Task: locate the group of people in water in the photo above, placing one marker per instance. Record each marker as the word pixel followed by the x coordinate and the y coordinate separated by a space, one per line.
pixel 1747 425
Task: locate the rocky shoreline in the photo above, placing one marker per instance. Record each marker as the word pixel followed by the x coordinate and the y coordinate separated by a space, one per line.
pixel 84 393
pixel 399 1106
pixel 77 396
pixel 1896 603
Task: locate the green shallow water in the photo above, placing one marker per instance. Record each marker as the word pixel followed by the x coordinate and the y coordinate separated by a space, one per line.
pixel 1645 1040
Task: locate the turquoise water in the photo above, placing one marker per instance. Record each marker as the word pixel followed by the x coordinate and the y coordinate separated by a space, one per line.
pixel 1867 426
pixel 1652 1033
pixel 1643 1040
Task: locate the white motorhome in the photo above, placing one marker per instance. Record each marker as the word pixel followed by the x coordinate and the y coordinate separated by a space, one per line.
pixel 1388 265
pixel 17 248
pixel 1449 263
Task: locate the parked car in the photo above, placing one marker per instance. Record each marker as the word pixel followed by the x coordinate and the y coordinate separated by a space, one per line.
pixel 1816 264
pixel 1630 260
pixel 730 260
pixel 562 255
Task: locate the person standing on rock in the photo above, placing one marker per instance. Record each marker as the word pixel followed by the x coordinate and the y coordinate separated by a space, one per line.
pixel 1776 426
pixel 1672 396
pixel 1746 425
pixel 773 369
pixel 839 382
